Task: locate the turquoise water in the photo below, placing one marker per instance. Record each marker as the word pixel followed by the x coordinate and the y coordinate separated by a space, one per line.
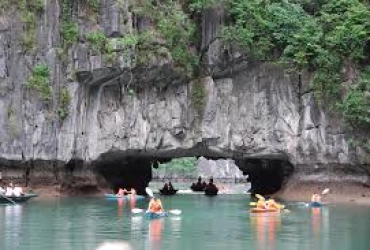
pixel 213 223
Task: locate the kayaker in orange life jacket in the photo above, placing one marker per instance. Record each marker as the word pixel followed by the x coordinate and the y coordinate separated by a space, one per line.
pixel 261 204
pixel 272 204
pixel 155 206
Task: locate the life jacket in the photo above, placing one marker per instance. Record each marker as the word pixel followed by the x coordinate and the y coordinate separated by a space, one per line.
pixel 272 204
pixel 261 204
pixel 155 207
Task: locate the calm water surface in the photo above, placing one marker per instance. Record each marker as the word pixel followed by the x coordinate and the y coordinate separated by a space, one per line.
pixel 221 222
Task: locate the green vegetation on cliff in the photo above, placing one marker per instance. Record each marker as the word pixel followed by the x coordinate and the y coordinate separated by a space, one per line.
pixel 171 35
pixel 198 96
pixel 64 102
pixel 28 9
pixel 328 39
pixel 40 81
pixel 97 40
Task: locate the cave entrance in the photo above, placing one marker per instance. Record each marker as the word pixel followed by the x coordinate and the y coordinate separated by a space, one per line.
pixel 126 172
pixel 266 176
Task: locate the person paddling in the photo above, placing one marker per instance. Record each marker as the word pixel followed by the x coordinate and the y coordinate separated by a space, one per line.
pixel 9 189
pixel 18 191
pixel 132 192
pixel 316 198
pixel 155 206
pixel 272 204
pixel 124 191
pixel 165 187
pixel 261 204
pixel 121 192
pixel 211 186
pixel 170 187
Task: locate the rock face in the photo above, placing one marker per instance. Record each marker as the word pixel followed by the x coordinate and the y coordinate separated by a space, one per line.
pixel 252 112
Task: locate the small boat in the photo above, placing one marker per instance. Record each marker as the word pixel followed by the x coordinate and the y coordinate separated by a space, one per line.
pixel 168 191
pixel 153 215
pixel 211 192
pixel 125 197
pixel 315 204
pixel 197 189
pixel 264 210
pixel 16 199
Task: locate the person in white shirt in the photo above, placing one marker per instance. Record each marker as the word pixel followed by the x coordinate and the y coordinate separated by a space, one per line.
pixel 9 190
pixel 17 191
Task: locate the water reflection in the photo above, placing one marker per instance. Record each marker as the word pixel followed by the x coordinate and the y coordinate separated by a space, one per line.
pixel 155 233
pixel 175 224
pixel 136 221
pixel 121 203
pixel 320 226
pixel 266 227
pixel 316 221
pixel 12 225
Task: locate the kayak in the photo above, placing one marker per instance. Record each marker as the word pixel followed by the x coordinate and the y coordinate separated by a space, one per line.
pixel 315 204
pixel 264 210
pixel 153 215
pixel 125 197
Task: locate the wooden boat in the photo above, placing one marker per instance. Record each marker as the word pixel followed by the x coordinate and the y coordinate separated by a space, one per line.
pixel 168 191
pixel 125 197
pixel 211 192
pixel 264 210
pixel 197 188
pixel 17 199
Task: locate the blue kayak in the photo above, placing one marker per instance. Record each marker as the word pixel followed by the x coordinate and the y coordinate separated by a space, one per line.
pixel 152 215
pixel 315 204
pixel 125 197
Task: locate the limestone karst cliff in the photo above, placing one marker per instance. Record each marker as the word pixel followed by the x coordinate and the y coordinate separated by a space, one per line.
pixel 115 111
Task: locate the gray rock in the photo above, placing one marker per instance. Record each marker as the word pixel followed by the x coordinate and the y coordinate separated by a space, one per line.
pixel 251 110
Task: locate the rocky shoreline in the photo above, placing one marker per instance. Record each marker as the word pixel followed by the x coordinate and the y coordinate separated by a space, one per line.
pixel 340 191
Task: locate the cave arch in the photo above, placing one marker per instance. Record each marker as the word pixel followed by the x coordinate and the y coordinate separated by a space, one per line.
pixel 266 175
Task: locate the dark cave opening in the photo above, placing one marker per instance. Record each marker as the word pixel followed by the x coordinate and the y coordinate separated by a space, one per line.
pixel 127 172
pixel 266 176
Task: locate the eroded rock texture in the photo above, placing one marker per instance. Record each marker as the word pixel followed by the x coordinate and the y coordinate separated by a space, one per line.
pixel 252 112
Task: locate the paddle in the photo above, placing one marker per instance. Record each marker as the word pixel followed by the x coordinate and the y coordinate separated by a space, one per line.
pixel 260 197
pixel 149 192
pixel 173 211
pixel 325 191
